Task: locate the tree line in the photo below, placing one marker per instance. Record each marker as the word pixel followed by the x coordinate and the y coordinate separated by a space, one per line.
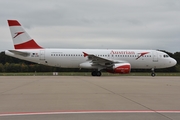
pixel 10 64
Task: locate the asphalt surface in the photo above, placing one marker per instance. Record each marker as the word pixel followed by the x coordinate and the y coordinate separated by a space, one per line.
pixel 85 98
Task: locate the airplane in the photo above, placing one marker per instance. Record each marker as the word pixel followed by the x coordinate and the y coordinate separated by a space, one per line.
pixel 112 60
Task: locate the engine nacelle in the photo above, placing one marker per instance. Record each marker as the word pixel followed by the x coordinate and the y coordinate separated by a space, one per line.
pixel 122 68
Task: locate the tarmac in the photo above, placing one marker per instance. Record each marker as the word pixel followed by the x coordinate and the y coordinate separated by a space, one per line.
pixel 87 97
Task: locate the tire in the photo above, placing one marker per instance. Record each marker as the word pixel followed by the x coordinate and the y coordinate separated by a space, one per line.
pixel 153 74
pixel 93 73
pixel 98 73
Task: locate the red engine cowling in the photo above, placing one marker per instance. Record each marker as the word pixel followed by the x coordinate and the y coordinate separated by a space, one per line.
pixel 122 68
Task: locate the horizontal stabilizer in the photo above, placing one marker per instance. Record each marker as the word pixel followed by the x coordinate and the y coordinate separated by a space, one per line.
pixel 24 54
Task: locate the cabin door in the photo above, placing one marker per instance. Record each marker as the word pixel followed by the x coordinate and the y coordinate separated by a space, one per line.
pixel 42 55
pixel 155 56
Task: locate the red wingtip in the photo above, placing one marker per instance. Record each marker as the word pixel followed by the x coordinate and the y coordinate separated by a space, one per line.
pixel 13 23
pixel 85 54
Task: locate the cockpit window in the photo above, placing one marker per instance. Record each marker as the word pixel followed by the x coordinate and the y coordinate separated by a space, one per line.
pixel 165 56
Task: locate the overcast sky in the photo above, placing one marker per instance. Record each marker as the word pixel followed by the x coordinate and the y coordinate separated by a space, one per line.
pixel 119 24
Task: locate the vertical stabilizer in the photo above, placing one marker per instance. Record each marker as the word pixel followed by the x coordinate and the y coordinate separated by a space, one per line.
pixel 20 37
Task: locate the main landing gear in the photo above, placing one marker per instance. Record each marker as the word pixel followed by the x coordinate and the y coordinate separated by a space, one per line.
pixel 153 74
pixel 96 73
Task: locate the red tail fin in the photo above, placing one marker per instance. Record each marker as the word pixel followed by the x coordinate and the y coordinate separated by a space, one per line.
pixel 20 37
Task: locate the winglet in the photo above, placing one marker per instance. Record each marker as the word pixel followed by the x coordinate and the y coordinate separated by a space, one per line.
pixel 85 54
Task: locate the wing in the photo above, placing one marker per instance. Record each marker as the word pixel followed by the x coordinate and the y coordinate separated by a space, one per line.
pixel 100 61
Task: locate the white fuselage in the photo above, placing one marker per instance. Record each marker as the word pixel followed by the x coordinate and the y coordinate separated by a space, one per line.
pixel 72 58
pixel 112 60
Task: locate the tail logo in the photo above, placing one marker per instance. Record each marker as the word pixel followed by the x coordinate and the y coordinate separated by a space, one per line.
pixel 17 34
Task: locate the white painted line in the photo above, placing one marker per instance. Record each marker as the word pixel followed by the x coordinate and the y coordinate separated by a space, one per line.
pixel 86 112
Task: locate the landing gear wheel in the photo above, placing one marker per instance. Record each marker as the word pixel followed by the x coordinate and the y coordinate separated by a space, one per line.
pixel 153 74
pixel 96 73
pixel 93 73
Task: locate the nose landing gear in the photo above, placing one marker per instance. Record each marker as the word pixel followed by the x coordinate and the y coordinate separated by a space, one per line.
pixel 153 74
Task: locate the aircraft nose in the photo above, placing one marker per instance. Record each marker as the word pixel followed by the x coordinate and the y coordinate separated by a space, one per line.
pixel 173 62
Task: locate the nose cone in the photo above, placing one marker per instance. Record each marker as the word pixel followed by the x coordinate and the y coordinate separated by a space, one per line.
pixel 173 62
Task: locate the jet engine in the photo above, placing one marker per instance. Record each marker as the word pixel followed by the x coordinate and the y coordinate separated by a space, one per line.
pixel 122 68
